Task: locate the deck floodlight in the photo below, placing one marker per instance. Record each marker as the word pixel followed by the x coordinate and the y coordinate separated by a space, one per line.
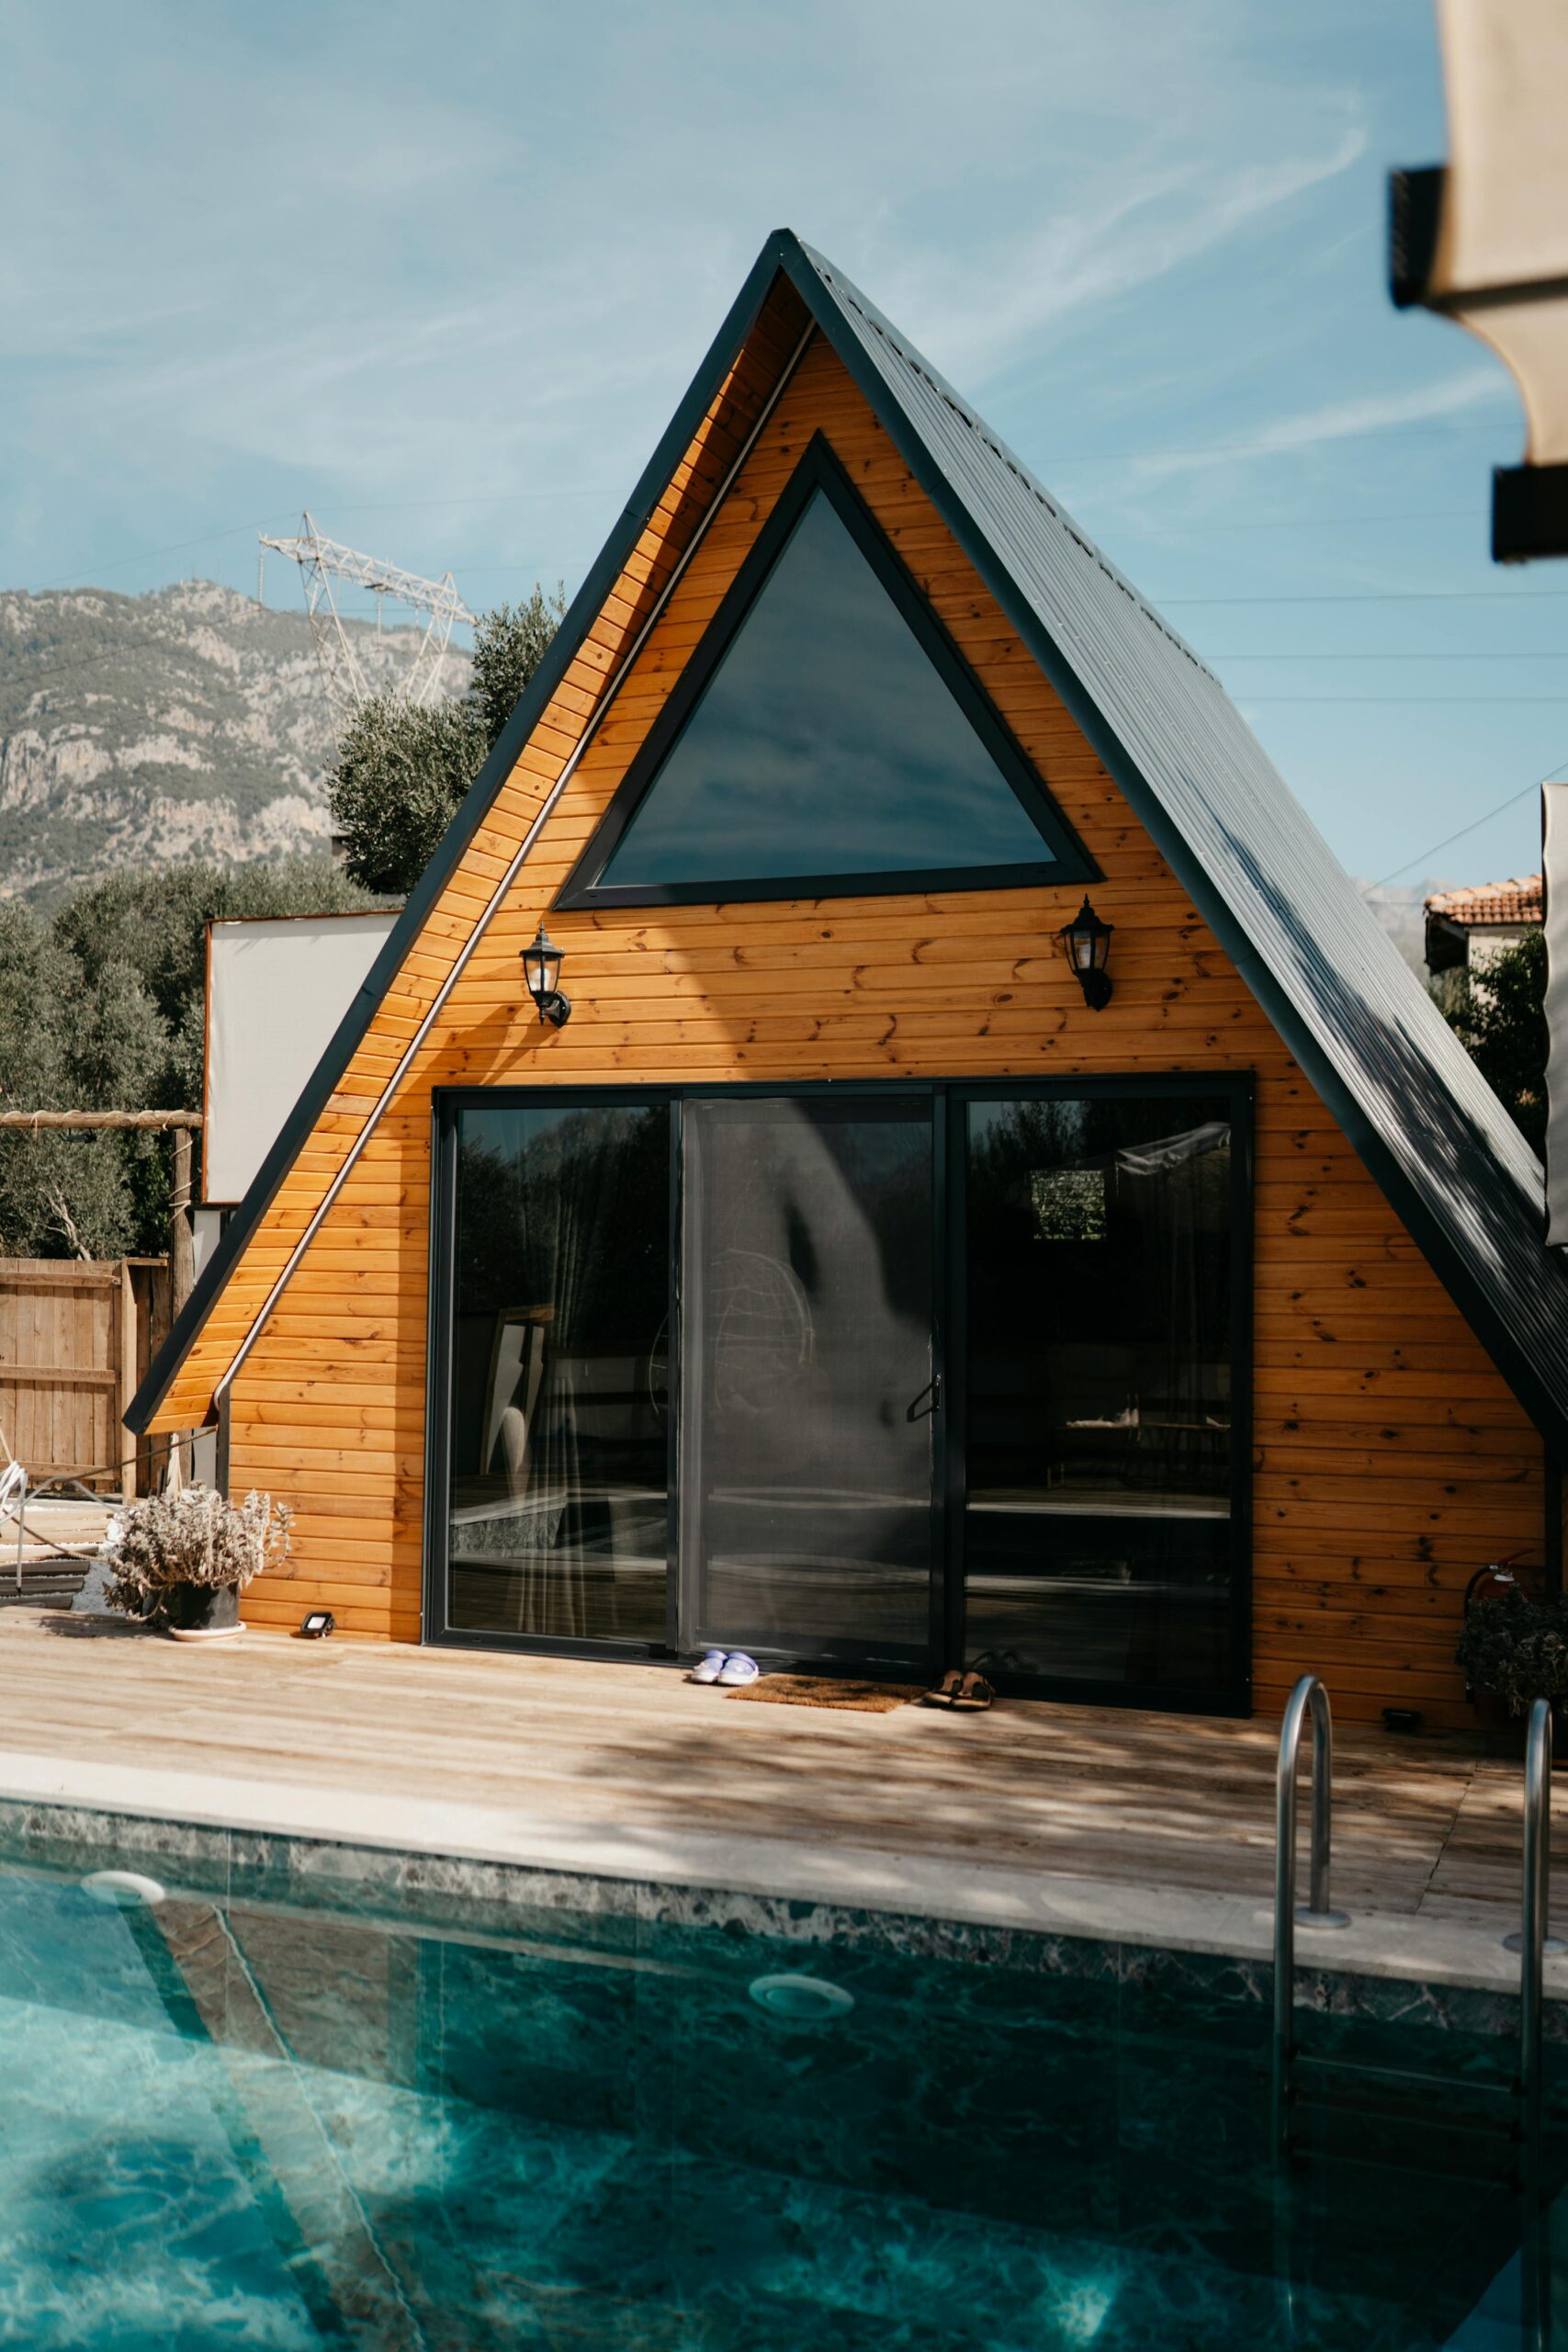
pixel 317 1623
pixel 541 969
pixel 1085 944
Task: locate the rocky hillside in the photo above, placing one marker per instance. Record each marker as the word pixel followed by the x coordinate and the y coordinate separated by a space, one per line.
pixel 138 730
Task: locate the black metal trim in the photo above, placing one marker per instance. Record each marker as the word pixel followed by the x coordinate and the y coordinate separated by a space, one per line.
pixel 948 1099
pixel 1240 1088
pixel 673 1596
pixel 1529 513
pixel 1415 216
pixel 434 1624
pixel 447 1104
pixel 820 469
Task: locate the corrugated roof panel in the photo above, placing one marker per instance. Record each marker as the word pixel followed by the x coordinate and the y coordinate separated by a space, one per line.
pixel 1355 1016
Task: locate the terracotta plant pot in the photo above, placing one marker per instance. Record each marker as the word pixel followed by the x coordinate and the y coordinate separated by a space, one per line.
pixel 203 1612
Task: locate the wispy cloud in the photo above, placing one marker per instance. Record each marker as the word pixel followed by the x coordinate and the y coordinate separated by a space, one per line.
pixel 987 313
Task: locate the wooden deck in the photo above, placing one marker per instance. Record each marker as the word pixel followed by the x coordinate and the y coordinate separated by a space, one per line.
pixel 1426 1830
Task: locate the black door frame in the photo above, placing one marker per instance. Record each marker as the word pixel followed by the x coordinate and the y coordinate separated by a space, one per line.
pixel 948 1098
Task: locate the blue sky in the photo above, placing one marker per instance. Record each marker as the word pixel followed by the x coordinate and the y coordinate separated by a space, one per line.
pixel 442 275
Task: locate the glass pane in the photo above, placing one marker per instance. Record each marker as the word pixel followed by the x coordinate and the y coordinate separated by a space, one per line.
pixel 825 743
pixel 805 1389
pixel 1097 1539
pixel 557 1521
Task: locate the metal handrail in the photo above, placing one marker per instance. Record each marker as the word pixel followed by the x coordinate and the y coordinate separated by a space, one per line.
pixel 1532 1942
pixel 1309 1693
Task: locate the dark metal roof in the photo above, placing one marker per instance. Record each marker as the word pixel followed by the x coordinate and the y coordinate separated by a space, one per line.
pixel 1364 1031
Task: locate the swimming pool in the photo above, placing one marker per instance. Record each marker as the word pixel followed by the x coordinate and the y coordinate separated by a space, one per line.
pixel 287 2111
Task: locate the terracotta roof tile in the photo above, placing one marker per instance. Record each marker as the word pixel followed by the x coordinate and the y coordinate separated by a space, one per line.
pixel 1518 900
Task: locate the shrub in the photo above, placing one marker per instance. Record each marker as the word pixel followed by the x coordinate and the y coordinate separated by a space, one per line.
pixel 1516 1649
pixel 193 1537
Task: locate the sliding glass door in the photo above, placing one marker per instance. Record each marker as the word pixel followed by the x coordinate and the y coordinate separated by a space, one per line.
pixel 1104 1247
pixel 807 1379
pixel 899 1376
pixel 556 1426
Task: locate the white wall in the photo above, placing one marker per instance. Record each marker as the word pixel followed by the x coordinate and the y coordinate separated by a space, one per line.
pixel 276 991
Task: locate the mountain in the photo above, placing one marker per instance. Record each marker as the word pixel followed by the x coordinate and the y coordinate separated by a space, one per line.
pixel 190 722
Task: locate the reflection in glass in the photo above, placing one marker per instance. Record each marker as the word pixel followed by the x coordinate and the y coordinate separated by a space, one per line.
pixel 1097 1539
pixel 806 1343
pixel 560 1418
pixel 825 743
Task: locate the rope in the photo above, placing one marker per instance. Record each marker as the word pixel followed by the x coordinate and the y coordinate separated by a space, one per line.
pixel 58 1548
pixel 14 1481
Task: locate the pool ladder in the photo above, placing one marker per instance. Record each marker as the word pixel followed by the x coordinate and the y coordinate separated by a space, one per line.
pixel 1532 1941
pixel 1309 1696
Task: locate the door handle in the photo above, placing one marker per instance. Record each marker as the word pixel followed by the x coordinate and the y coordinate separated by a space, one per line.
pixel 930 1399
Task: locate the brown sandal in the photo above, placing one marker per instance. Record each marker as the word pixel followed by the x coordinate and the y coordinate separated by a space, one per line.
pixel 972 1696
pixel 947 1690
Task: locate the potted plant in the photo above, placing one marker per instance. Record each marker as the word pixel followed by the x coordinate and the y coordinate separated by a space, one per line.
pixel 1514 1649
pixel 185 1558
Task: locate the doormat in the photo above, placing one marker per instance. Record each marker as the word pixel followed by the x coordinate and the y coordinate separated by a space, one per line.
pixel 827 1691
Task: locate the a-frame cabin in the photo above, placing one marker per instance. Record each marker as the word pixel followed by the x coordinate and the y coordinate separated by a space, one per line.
pixel 843 1280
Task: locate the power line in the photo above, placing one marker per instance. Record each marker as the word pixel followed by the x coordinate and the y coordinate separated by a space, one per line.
pixel 1474 826
pixel 1329 522
pixel 73 578
pixel 1276 448
pixel 1387 657
pixel 1333 702
pixel 1379 596
pixel 237 530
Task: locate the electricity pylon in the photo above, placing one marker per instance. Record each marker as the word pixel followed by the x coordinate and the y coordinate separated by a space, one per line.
pixel 322 560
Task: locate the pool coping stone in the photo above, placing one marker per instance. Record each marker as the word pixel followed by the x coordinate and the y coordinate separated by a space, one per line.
pixel 775 1885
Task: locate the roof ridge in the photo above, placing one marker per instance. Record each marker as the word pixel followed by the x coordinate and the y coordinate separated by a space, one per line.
pixel 848 292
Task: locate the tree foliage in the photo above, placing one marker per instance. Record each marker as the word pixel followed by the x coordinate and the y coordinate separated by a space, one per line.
pixel 101 1008
pixel 1499 1016
pixel 401 771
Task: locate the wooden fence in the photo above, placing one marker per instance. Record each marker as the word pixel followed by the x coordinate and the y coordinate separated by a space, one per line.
pixel 75 1340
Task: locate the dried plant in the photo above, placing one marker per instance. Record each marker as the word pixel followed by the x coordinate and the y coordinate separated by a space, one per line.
pixel 197 1536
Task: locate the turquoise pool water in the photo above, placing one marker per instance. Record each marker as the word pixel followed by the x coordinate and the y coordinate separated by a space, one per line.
pixel 246 2122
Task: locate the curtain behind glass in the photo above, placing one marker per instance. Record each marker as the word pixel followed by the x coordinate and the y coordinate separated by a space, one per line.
pixel 806 1362
pixel 559 1413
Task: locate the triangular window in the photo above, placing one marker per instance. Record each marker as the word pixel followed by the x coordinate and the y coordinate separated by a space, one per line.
pixel 826 739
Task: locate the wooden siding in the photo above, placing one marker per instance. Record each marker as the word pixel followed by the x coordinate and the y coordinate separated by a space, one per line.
pixel 1391 1457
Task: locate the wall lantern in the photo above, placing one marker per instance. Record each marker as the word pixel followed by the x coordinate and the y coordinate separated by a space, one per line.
pixel 541 969
pixel 1085 944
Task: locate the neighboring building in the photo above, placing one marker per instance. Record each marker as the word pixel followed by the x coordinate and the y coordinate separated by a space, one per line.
pixel 1469 929
pixel 849 1278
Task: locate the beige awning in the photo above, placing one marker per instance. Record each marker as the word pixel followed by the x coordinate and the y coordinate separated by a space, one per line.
pixel 1486 241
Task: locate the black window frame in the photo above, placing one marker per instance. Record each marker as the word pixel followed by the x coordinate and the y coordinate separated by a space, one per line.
pixel 950 1098
pixel 1065 860
pixel 1238 1089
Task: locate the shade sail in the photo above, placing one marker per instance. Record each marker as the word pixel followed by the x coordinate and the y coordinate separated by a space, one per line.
pixel 1485 240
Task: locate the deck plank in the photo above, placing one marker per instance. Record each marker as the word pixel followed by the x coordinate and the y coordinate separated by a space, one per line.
pixel 1424 1827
